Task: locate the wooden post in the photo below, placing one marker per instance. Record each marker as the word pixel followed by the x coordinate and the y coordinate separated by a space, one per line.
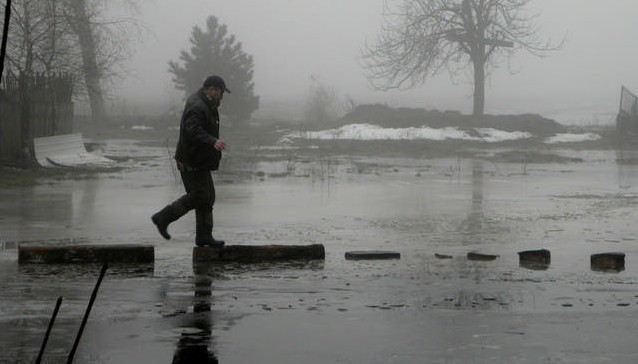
pixel 535 259
pixel 46 335
pixel 86 314
pixel 608 262
pixel 5 36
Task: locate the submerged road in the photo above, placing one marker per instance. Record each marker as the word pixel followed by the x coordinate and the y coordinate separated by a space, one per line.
pixel 416 309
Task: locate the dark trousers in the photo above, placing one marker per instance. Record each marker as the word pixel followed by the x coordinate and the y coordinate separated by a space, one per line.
pixel 200 196
pixel 200 191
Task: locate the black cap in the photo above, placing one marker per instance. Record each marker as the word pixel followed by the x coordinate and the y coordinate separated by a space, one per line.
pixel 216 81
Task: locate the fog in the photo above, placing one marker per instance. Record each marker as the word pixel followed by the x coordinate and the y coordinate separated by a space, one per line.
pixel 291 40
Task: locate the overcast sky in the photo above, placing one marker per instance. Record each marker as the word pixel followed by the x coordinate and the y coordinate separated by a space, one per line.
pixel 293 39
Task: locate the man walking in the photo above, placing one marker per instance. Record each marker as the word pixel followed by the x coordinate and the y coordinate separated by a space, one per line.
pixel 199 151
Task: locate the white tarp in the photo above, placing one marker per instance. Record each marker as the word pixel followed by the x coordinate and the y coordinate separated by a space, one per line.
pixel 66 150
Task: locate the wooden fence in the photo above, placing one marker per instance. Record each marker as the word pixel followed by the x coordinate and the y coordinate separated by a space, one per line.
pixel 33 107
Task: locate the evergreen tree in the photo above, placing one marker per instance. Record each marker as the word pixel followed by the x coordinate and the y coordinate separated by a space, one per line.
pixel 214 51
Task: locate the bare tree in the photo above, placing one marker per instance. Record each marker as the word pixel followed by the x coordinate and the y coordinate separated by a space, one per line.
pixel 39 44
pixel 80 20
pixel 103 41
pixel 74 36
pixel 39 40
pixel 421 38
pixel 319 106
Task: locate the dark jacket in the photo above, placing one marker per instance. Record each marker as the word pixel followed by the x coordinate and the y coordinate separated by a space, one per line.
pixel 198 132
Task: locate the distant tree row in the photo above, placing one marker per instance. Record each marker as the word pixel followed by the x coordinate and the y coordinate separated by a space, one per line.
pixel 419 39
pixel 75 37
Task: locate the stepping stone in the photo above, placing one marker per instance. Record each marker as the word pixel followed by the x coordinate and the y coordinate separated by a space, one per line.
pixel 535 259
pixel 608 262
pixel 65 254
pixel 259 253
pixel 372 254
pixel 442 256
pixel 484 257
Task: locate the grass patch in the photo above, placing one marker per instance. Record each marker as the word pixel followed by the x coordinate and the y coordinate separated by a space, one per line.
pixel 529 157
pixel 12 177
pixel 17 178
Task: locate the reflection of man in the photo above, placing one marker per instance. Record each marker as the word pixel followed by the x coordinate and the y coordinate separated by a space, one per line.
pixel 199 151
pixel 193 349
pixel 193 346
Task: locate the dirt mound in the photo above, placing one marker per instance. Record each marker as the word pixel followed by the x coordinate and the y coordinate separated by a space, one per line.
pixel 403 117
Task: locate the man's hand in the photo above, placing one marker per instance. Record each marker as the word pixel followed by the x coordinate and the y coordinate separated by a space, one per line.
pixel 220 145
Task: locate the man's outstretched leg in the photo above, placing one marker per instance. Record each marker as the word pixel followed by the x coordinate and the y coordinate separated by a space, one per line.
pixel 167 215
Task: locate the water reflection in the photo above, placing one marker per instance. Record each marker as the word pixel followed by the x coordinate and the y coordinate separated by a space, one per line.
pixel 477 214
pixel 87 201
pixel 195 342
pixel 69 272
pixel 627 162
pixel 35 211
pixel 473 225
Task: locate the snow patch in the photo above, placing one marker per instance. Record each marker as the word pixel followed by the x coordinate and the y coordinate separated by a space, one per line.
pixel 141 127
pixel 375 132
pixel 571 138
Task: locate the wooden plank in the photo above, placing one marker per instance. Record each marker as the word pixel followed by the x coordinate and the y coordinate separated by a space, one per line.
pixel 259 253
pixel 372 254
pixel 484 257
pixel 66 254
pixel 66 150
pixel 538 256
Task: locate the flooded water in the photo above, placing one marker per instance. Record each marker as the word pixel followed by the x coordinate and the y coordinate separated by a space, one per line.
pixel 419 308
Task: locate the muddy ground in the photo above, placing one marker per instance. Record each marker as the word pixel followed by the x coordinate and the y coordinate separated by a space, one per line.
pixel 359 196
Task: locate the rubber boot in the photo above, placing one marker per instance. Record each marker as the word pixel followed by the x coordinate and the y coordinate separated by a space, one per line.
pixel 166 216
pixel 204 229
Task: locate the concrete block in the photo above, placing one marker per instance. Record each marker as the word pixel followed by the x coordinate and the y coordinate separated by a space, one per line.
pixel 608 262
pixel 259 253
pixel 535 259
pixel 372 254
pixel 65 254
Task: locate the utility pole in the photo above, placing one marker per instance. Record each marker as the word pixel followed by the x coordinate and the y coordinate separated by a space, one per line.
pixel 5 36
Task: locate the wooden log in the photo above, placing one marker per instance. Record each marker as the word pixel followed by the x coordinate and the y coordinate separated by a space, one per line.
pixel 65 254
pixel 608 262
pixel 535 259
pixel 258 253
pixel 203 254
pixel 483 257
pixel 537 256
pixel 372 254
